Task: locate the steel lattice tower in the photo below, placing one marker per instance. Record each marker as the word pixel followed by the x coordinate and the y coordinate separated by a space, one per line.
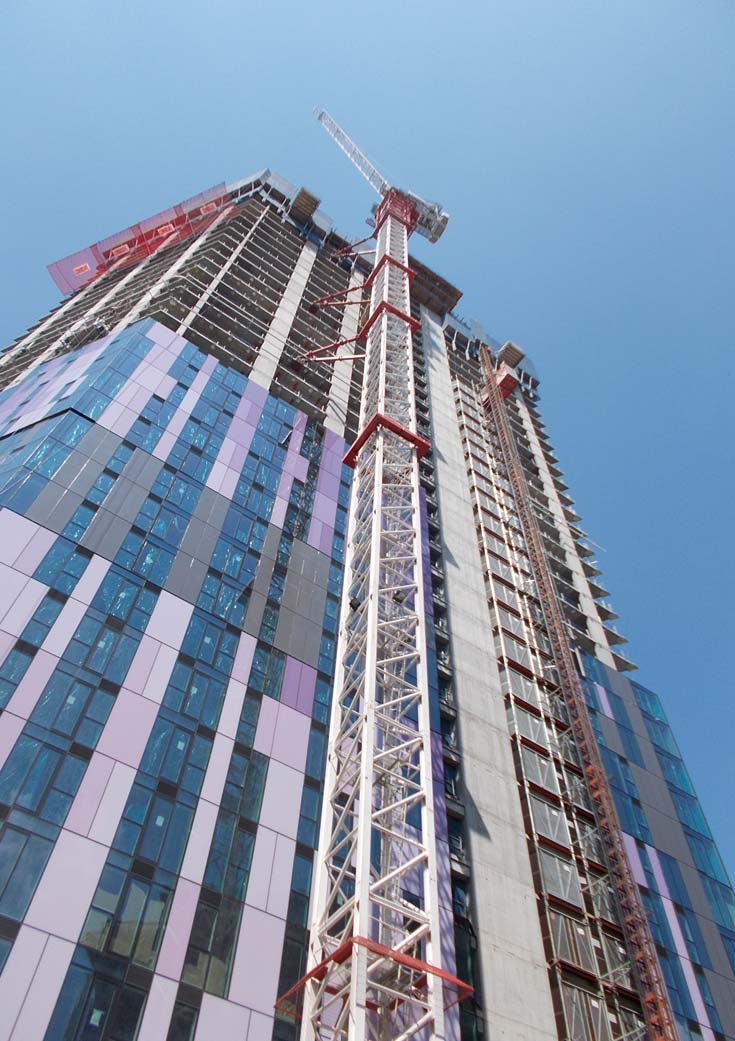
pixel 374 963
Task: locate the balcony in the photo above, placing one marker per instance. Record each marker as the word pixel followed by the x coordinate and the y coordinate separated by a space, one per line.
pixel 444 664
pixel 598 591
pixel 446 697
pixel 441 631
pixel 613 635
pixel 622 664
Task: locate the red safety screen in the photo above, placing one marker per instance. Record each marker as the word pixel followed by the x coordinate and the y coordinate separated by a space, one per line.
pixel 137 241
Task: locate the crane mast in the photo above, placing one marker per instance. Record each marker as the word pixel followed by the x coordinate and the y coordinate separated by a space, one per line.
pixel 374 971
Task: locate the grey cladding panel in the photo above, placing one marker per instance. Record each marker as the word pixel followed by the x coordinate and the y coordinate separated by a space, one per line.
pixel 199 540
pixel 263 575
pixel 271 541
pixel 54 507
pixel 653 790
pixel 298 636
pixel 723 992
pixel 212 508
pixel 254 617
pixel 79 472
pixel 106 534
pixel 126 498
pixel 309 563
pixel 142 468
pixel 99 444
pixel 667 834
pixel 611 734
pixel 186 577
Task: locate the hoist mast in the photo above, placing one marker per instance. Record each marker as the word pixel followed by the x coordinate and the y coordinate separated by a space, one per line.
pixel 374 971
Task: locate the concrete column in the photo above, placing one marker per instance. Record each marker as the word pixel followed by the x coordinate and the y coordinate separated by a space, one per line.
pixel 339 388
pixel 278 332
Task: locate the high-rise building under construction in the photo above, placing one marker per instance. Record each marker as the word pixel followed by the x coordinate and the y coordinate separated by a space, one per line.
pixel 180 526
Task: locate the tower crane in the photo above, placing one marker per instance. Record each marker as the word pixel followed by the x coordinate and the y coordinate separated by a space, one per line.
pixel 374 969
pixel 431 219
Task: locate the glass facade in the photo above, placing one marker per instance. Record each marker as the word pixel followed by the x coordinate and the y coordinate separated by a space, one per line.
pixel 686 891
pixel 165 699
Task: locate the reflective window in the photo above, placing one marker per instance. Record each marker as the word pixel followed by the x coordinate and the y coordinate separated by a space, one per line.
pixel 195 694
pixel 22 860
pixel 176 755
pixel 183 1023
pixel 94 1006
pixel 154 827
pixel 539 769
pixel 266 672
pixel 40 779
pixel 12 671
pixel 124 599
pixel 572 941
pixel 63 566
pixel 127 917
pixel 43 618
pixel 72 708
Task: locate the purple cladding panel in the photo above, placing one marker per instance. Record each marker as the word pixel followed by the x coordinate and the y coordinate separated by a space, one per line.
pixel 299 683
pixel 221 1019
pixel 87 800
pixel 321 530
pixel 57 907
pixel 128 728
pixel 634 860
pixel 176 937
pixel 282 799
pixel 16 533
pixel 38 960
pixel 291 737
pixel 10 728
pixel 261 868
pixel 604 700
pixel 255 979
pixel 158 1009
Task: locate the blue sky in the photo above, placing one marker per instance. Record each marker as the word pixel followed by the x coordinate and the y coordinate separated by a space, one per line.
pixel 584 149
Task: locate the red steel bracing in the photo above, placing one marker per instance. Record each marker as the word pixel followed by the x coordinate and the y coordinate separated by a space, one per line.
pixel 455 990
pixel 651 987
pixel 374 970
pixel 341 298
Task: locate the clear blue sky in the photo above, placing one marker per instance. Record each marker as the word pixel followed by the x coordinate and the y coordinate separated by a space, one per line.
pixel 585 151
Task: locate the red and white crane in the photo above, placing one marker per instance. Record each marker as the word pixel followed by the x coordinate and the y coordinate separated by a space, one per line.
pixel 374 971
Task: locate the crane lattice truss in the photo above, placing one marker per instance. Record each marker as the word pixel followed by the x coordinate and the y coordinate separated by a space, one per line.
pixel 654 1000
pixel 374 967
